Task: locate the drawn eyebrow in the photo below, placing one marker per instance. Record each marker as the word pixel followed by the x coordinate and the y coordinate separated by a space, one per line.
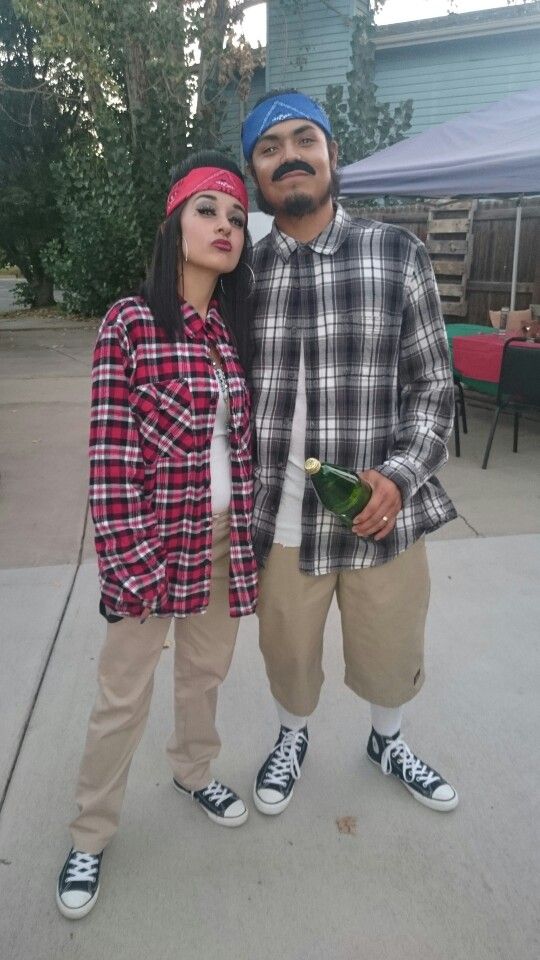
pixel 212 196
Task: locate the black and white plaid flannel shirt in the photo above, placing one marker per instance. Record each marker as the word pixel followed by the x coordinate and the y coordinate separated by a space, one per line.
pixel 363 298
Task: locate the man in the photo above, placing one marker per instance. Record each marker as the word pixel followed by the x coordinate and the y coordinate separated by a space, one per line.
pixel 350 366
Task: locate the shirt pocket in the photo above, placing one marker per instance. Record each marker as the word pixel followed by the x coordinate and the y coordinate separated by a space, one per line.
pixel 368 341
pixel 163 413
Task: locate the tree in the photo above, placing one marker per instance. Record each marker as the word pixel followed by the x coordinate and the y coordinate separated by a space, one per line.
pixel 130 56
pixel 361 123
pixel 34 130
pixel 147 100
pixel 226 63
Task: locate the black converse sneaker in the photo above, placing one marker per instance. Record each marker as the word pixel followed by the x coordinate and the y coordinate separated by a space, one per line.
pixel 78 884
pixel 393 755
pixel 220 803
pixel 274 785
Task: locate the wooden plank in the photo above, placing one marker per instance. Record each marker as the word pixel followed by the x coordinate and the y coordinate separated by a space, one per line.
pixel 454 205
pixel 448 226
pixel 454 309
pixel 451 289
pixel 394 216
pixel 535 292
pixel 454 268
pixel 508 213
pixel 494 286
pixel 446 246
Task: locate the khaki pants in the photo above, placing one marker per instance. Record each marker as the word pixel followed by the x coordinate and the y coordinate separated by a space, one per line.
pixel 383 613
pixel 204 645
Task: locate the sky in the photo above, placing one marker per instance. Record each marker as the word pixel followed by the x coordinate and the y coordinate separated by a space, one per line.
pixel 394 11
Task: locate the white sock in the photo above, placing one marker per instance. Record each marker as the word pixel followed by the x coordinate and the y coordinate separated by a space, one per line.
pixel 386 720
pixel 289 720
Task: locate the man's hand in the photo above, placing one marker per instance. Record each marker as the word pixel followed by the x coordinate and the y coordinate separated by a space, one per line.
pixel 378 518
pixel 145 614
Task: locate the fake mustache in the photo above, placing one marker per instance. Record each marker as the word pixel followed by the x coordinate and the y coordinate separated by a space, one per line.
pixel 290 168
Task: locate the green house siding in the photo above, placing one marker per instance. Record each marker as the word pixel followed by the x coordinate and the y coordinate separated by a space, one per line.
pixel 311 48
pixel 447 66
pixel 447 79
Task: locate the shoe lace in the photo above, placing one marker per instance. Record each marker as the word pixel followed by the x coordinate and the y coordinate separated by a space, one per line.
pixel 82 867
pixel 216 792
pixel 412 767
pixel 285 763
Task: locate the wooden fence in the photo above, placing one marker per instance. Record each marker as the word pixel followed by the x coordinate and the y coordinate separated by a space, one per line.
pixel 493 229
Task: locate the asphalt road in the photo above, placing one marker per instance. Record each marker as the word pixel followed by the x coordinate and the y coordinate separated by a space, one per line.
pixel 7 285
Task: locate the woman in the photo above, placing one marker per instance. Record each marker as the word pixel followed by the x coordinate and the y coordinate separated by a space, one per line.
pixel 171 496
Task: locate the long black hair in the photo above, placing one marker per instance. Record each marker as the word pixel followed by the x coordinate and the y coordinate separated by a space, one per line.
pixel 233 290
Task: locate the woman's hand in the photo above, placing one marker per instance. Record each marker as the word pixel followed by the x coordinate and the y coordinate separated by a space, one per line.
pixel 378 518
pixel 145 614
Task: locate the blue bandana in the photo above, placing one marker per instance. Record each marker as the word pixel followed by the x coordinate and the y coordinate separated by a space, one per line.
pixel 284 106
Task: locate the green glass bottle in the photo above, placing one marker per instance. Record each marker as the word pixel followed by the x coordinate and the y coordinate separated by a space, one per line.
pixel 341 491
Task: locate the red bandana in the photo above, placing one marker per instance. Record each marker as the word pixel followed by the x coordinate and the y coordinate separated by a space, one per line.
pixel 207 178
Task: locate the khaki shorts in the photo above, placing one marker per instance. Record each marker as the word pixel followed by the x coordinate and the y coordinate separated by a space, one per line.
pixel 383 613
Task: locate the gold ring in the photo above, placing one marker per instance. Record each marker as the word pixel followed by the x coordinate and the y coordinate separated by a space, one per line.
pixel 385 519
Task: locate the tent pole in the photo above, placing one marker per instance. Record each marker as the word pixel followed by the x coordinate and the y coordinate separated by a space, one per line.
pixel 516 254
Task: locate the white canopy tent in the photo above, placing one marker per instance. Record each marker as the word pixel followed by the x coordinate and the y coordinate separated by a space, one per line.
pixel 494 151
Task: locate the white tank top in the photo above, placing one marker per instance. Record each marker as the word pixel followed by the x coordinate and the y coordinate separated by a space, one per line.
pixel 220 455
pixel 289 519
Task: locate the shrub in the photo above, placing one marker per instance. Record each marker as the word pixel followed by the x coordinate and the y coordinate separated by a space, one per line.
pixel 101 254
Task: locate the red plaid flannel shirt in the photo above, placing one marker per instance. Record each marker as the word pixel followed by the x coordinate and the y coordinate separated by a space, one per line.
pixel 153 412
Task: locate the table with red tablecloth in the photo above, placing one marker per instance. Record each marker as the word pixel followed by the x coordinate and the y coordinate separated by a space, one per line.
pixel 480 358
pixel 455 330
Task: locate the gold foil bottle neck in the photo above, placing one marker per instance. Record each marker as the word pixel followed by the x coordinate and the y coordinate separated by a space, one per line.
pixel 312 465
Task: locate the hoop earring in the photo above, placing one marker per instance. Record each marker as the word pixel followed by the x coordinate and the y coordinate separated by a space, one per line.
pixel 185 253
pixel 253 281
pixel 252 277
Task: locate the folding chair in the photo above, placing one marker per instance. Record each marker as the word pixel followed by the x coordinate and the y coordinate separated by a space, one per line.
pixel 459 411
pixel 519 386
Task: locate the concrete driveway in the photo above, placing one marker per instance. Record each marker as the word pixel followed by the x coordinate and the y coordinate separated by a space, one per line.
pixel 408 883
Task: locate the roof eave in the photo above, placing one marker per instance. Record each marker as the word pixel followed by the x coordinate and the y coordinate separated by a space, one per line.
pixel 456 31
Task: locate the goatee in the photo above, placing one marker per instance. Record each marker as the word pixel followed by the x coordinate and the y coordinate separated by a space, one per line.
pixel 301 204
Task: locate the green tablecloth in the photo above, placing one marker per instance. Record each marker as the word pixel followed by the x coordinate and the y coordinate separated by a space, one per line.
pixel 467 330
